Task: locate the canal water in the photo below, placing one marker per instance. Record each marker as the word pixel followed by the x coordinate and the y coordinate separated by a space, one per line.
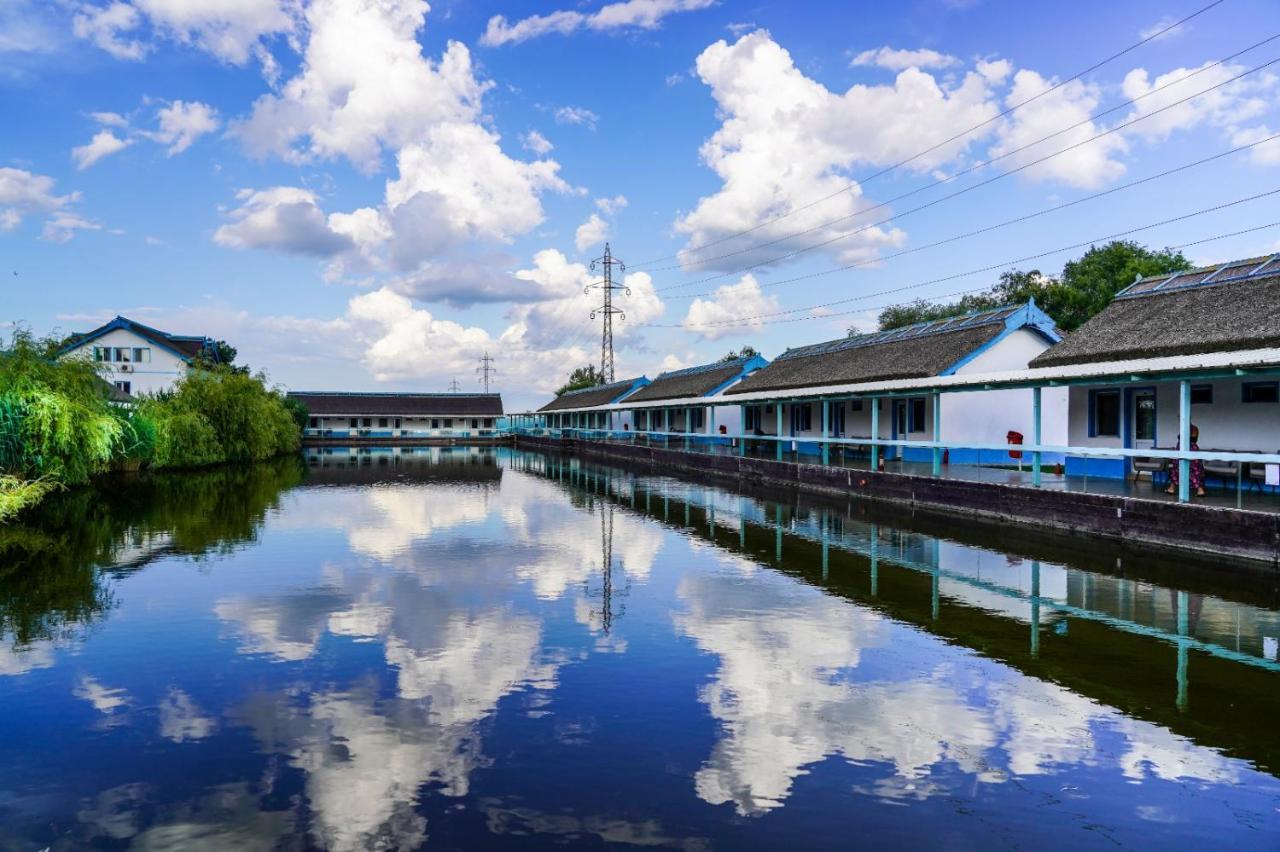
pixel 483 649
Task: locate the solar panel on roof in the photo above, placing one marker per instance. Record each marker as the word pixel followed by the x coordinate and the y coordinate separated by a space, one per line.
pixel 909 332
pixel 1226 273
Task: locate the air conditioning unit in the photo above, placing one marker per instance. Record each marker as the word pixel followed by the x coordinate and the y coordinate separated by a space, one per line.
pixel 126 368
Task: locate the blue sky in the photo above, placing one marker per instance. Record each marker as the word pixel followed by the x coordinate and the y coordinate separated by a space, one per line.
pixel 372 193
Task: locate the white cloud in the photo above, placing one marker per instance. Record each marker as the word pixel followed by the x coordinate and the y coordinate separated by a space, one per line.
pixel 110 119
pixel 104 699
pixel 62 226
pixel 284 218
pixel 1230 104
pixel 1087 166
pixel 626 14
pixel 1161 25
pixel 231 30
pixel 900 60
pixel 536 142
pixel 609 206
pixel 23 193
pixel 721 315
pixel 103 144
pixel 786 140
pixel 591 232
pixel 181 123
pixel 181 720
pixel 576 115
pixel 106 26
pixel 1267 154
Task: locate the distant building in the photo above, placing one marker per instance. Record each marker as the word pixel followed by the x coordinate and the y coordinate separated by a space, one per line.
pixel 706 381
pixel 139 359
pixel 1217 327
pixel 341 415
pixel 568 410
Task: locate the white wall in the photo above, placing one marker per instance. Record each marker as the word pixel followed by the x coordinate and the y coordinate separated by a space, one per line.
pixel 161 373
pixel 984 417
pixel 409 426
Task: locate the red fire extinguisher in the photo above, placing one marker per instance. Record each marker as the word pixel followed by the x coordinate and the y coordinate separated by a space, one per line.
pixel 1014 438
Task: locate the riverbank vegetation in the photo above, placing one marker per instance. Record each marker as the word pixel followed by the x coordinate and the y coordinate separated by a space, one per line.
pixel 61 423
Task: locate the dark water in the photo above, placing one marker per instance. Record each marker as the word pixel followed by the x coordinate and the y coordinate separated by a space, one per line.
pixel 488 650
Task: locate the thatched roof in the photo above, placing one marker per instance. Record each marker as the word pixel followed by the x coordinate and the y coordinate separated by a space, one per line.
pixel 693 381
pixel 342 404
pixel 592 396
pixel 1221 308
pixel 914 352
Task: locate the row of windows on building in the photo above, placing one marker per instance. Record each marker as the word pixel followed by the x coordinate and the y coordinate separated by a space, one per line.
pixel 1105 417
pixel 909 416
pixel 394 422
pixel 123 354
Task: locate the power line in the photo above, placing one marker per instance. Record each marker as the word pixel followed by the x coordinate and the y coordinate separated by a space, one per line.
pixel 1016 220
pixel 486 369
pixel 454 387
pixel 962 134
pixel 607 310
pixel 959 192
pixel 1002 264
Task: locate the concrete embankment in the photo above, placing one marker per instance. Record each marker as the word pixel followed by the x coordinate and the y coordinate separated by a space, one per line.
pixel 1187 527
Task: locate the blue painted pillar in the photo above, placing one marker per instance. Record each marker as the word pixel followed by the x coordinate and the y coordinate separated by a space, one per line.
pixel 826 431
pixel 1035 437
pixel 937 433
pixel 777 412
pixel 1184 439
pixel 875 433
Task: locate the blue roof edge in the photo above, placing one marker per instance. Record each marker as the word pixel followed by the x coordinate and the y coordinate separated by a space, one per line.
pixel 1029 316
pixel 121 322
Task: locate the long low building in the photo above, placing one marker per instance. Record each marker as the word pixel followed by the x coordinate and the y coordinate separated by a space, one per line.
pixel 374 416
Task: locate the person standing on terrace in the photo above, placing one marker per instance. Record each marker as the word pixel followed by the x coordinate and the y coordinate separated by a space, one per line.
pixel 1197 467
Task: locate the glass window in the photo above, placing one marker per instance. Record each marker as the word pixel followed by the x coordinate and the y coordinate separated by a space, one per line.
pixel 124 354
pixel 1144 417
pixel 448 423
pixel 1202 394
pixel 141 355
pixel 368 421
pixel 123 386
pixel 315 422
pixel 397 423
pixel 855 405
pixel 1262 391
pixel 1106 414
pixel 435 423
pixel 488 423
pixel 917 414
pixel 354 422
pixel 98 354
pixel 382 422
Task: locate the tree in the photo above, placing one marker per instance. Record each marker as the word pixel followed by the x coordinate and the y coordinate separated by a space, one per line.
pixel 582 377
pixel 744 352
pixel 223 356
pixel 1085 287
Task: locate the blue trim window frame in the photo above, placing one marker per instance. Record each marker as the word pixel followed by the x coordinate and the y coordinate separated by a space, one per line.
pixel 750 418
pixel 801 417
pixel 837 420
pixel 1109 409
pixel 1260 392
pixel 697 418
pixel 917 414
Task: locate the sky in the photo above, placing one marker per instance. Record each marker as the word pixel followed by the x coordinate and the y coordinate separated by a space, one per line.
pixel 372 194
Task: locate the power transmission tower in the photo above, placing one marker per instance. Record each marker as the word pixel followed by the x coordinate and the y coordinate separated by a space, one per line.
pixel 454 387
pixel 485 370
pixel 607 310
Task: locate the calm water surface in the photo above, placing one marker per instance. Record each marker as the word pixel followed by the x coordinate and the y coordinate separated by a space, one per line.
pixel 492 650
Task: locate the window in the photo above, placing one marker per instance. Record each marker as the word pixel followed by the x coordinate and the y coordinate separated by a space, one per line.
pixel 916 414
pixel 1104 417
pixel 488 423
pixel 801 418
pixel 1261 391
pixel 368 421
pixel 751 418
pixel 1202 394
pixel 448 423
pixel 435 423
pixel 315 422
pixel 142 354
pixel 699 418
pixel 123 387
pixel 855 405
pixel 124 354
pixel 354 422
pixel 382 422
pixel 1144 417
pixel 768 409
pixel 837 420
pixel 396 424
pixel 475 424
pixel 101 354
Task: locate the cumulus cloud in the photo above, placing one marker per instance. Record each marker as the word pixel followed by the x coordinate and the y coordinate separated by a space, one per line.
pixel 285 218
pixel 591 232
pixel 1227 106
pixel 609 206
pixel 626 14
pixel 181 720
pixel 900 60
pixel 103 144
pixel 62 226
pixel 536 142
pixel 181 123
pixel 786 140
pixel 729 309
pixel 23 193
pixel 1267 154
pixel 106 26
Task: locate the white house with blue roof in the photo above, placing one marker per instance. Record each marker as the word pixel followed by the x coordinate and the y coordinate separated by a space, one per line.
pixel 996 341
pixel 138 358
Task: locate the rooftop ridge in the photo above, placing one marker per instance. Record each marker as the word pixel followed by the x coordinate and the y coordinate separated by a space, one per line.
pixel 388 393
pixel 704 368
pixel 921 329
pixel 619 383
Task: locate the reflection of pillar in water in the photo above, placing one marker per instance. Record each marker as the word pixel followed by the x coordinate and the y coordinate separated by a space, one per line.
pixel 1184 622
pixel 742 523
pixel 875 558
pixel 935 608
pixel 666 507
pixel 826 546
pixel 777 535
pixel 1035 609
pixel 687 500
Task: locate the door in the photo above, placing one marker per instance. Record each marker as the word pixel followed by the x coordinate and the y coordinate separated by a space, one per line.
pixel 899 428
pixel 1140 432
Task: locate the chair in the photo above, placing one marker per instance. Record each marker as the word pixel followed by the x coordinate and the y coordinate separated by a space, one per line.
pixel 1151 465
pixel 1224 470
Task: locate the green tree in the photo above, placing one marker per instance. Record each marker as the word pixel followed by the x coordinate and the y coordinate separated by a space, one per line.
pixel 1085 287
pixel 581 377
pixel 224 356
pixel 744 352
